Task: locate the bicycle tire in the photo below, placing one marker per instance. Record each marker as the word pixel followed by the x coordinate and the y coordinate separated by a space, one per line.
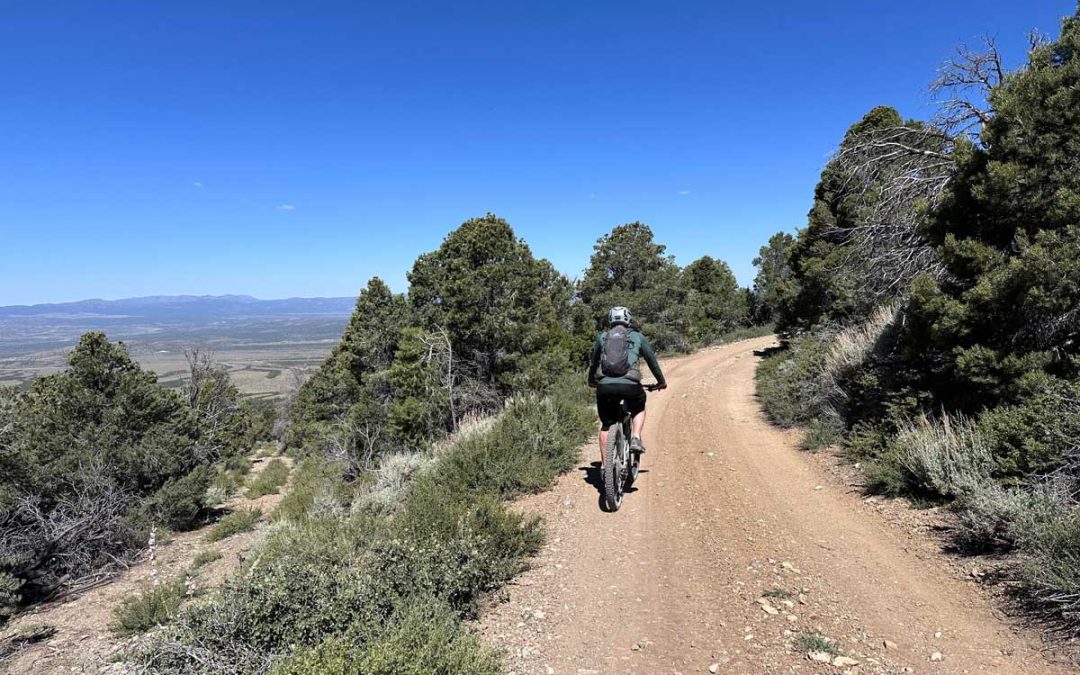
pixel 613 479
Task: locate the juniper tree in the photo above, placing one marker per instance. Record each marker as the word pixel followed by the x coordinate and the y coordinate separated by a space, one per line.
pixel 498 303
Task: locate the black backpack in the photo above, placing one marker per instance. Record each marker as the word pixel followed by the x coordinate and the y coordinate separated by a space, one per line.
pixel 615 359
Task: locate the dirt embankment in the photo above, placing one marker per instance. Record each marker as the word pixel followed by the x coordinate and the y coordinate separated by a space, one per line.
pixel 734 552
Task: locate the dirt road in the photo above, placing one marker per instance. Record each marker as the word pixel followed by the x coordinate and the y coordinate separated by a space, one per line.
pixel 728 509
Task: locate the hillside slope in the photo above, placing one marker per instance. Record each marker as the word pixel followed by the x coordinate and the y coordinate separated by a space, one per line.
pixel 84 641
pixel 726 510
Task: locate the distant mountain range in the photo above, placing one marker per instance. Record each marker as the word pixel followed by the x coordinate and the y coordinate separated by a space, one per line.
pixel 183 307
pixel 184 319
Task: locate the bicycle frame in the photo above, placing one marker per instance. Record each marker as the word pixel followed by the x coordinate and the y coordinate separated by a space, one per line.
pixel 620 465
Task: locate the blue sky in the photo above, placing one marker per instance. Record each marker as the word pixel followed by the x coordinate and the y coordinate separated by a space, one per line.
pixel 298 148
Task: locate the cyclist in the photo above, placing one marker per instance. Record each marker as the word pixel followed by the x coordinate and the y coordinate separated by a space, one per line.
pixel 615 373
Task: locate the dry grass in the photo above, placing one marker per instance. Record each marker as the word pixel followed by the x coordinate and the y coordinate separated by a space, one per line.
pixel 848 351
pixel 851 346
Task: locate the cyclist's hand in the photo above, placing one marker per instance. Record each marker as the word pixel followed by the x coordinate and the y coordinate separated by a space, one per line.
pixel 592 385
pixel 661 386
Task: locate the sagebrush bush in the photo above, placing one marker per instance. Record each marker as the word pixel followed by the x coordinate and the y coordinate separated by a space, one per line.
pixel 236 522
pixel 824 378
pixel 391 476
pixel 270 480
pixel 996 516
pixel 228 478
pixel 454 548
pixel 849 348
pixel 1051 569
pixel 847 379
pixel 946 457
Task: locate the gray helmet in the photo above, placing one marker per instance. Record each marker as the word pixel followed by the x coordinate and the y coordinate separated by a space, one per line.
pixel 619 315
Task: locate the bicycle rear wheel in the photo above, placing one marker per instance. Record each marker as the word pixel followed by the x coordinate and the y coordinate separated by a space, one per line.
pixel 614 470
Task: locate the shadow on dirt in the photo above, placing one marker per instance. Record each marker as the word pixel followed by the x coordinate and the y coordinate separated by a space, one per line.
pixel 768 351
pixel 594 477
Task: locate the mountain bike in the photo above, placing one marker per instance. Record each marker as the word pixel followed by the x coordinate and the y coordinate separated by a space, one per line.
pixel 620 465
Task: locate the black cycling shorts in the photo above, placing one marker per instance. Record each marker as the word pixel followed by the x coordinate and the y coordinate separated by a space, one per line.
pixel 609 399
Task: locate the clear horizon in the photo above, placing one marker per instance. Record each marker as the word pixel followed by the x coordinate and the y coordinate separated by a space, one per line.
pixel 182 295
pixel 277 150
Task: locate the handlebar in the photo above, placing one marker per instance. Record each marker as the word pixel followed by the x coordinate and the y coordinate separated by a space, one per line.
pixel 651 386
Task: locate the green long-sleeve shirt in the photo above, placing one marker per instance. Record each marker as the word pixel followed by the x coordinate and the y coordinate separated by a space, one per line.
pixel 644 350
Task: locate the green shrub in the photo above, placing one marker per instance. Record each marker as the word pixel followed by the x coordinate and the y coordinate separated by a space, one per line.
pixel 789 382
pixel 885 475
pixel 865 441
pixel 269 480
pixel 820 434
pixel 1031 437
pixel 228 478
pixel 9 595
pixel 298 597
pixel 375 588
pixel 314 481
pixel 205 557
pixel 179 504
pixel 534 440
pixel 454 548
pixel 236 522
pixel 155 607
pixel 423 638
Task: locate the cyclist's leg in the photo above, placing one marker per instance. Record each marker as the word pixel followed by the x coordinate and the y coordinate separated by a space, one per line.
pixel 635 404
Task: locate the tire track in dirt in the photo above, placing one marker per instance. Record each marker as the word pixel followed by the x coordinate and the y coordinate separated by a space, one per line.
pixel 727 508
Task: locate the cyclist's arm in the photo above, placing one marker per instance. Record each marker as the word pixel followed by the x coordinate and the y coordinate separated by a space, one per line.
pixel 650 358
pixel 594 362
